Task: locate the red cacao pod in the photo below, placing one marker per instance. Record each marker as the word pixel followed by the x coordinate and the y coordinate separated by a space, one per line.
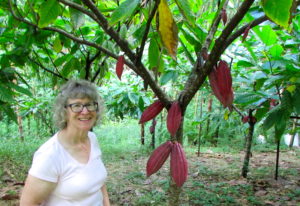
pixel 174 118
pixel 178 164
pixel 120 66
pixel 152 111
pixel 158 158
pixel 221 83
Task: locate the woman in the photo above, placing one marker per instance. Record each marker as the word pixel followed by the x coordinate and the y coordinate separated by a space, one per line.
pixel 67 170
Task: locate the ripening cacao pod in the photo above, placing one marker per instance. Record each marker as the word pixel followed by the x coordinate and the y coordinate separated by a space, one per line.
pixel 120 66
pixel 174 118
pixel 178 164
pixel 158 158
pixel 221 83
pixel 152 111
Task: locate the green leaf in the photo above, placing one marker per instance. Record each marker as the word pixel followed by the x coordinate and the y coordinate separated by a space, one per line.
pixel 141 103
pixel 296 100
pixel 272 117
pixel 10 112
pixel 185 9
pixel 48 12
pixel 133 98
pixel 153 53
pixel 124 10
pixel 165 78
pixel 70 66
pixel 20 89
pixel 276 51
pixel 6 94
pixel 249 98
pixel 243 63
pixel 77 18
pixel 57 45
pixel 278 11
pixel 268 35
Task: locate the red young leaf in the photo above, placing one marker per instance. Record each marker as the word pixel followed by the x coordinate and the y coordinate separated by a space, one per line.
pixel 174 118
pixel 152 111
pixel 224 16
pixel 120 66
pixel 245 34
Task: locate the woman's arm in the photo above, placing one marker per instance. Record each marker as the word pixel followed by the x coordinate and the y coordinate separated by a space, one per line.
pixel 105 196
pixel 35 191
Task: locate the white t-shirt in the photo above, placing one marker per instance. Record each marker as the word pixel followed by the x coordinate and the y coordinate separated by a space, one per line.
pixel 77 184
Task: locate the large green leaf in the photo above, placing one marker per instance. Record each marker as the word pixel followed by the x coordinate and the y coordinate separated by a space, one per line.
pixel 124 10
pixel 48 12
pixel 185 9
pixel 153 53
pixel 268 35
pixel 272 117
pixel 20 89
pixel 278 11
pixel 77 18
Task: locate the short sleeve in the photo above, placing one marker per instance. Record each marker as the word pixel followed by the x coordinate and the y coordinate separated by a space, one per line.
pixel 44 167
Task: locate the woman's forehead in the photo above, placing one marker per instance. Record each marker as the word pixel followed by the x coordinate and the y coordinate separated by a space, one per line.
pixel 79 100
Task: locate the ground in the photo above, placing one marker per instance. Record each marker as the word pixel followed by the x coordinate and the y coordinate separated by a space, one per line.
pixel 214 179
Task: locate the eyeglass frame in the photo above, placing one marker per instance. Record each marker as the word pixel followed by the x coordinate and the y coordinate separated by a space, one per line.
pixel 83 106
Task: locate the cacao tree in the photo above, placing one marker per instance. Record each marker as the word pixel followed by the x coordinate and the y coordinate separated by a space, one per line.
pixel 80 39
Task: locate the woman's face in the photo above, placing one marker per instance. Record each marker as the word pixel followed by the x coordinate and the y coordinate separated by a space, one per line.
pixel 79 119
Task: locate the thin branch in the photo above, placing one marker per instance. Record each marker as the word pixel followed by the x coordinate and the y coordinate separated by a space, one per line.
pixel 239 32
pixel 49 58
pixel 98 71
pixel 237 110
pixel 148 24
pixel 47 70
pixel 110 31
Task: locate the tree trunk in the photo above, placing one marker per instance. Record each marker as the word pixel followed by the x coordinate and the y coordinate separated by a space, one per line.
pixel 174 193
pixel 20 126
pixel 249 138
pixel 200 126
pixel 143 134
pixel 216 136
pixel 277 159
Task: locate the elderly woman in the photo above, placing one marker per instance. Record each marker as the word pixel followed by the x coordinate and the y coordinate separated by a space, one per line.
pixel 67 170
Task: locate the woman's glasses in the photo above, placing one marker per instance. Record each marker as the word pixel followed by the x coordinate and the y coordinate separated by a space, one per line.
pixel 77 107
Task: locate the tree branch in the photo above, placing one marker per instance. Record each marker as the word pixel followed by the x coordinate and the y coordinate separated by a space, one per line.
pixel 199 74
pixel 141 50
pixel 239 32
pixel 101 20
pixel 47 70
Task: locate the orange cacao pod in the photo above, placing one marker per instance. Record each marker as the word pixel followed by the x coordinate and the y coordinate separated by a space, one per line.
pixel 152 111
pixel 120 66
pixel 158 158
pixel 179 165
pixel 174 118
pixel 221 83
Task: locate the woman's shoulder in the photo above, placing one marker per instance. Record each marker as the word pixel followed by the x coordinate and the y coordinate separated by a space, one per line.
pixel 49 148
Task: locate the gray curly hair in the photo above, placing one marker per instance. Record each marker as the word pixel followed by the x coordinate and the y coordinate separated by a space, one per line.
pixel 75 89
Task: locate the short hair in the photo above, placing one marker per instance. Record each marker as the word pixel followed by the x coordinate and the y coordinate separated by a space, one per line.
pixel 75 89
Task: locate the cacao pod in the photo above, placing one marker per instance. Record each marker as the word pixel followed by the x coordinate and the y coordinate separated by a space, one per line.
pixel 120 66
pixel 245 119
pixel 221 83
pixel 178 164
pixel 152 111
pixel 174 118
pixel 158 158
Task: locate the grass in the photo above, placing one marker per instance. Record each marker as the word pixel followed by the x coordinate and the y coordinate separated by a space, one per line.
pixel 214 177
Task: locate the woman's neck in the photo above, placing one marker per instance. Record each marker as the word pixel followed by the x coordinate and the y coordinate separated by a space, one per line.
pixel 72 137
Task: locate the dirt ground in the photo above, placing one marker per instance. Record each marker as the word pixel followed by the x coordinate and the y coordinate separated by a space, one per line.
pixel 214 179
